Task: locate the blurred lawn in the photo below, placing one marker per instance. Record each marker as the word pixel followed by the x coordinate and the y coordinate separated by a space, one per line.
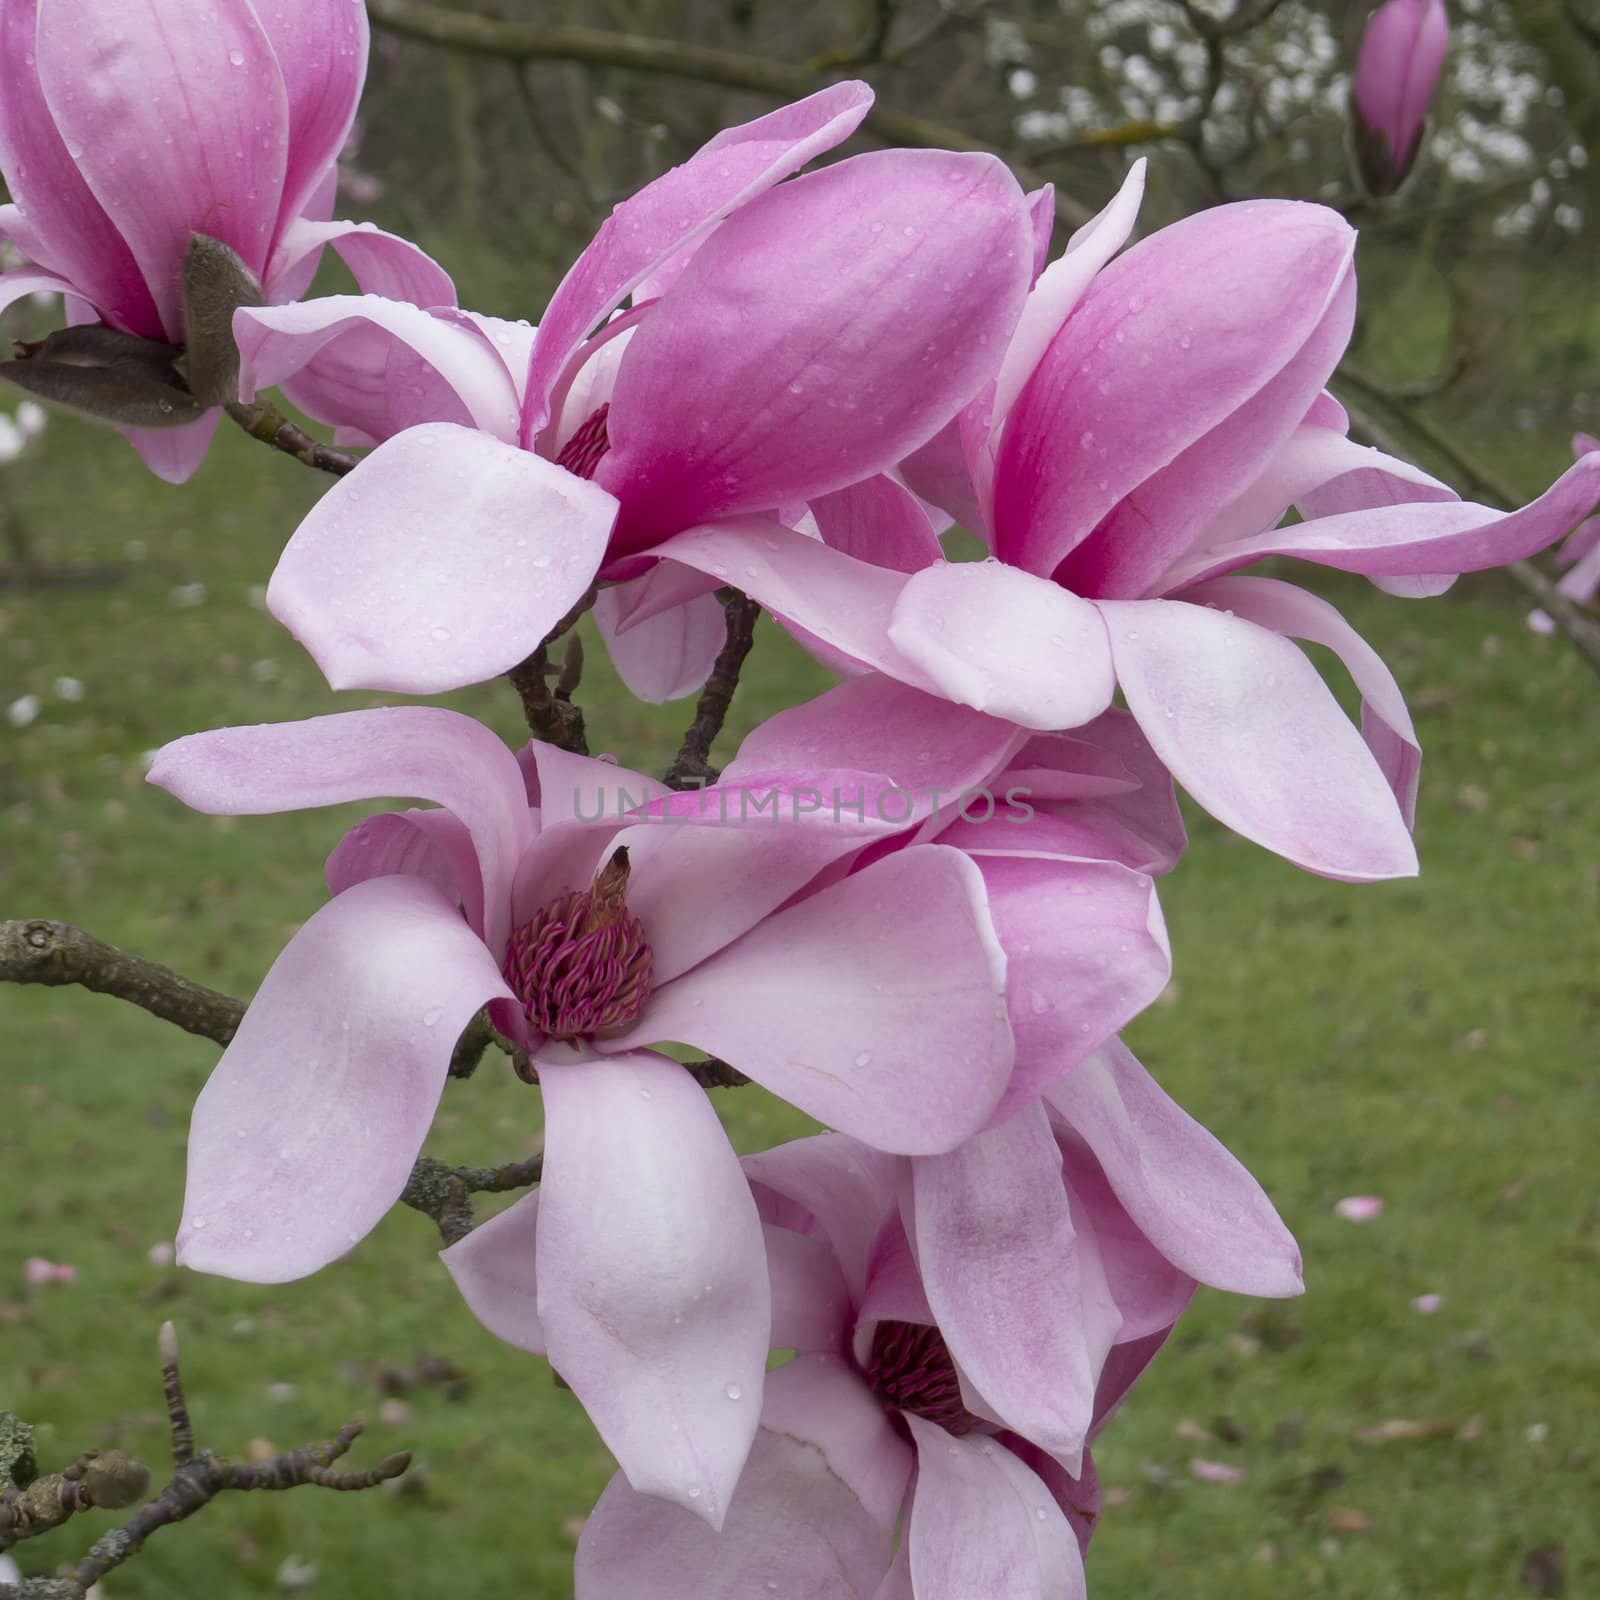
pixel 1434 1043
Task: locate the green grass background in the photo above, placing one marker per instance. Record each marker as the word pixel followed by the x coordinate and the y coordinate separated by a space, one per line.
pixel 1431 1042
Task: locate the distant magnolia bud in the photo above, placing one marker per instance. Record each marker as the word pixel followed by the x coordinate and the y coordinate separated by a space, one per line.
pixel 115 1479
pixel 1401 54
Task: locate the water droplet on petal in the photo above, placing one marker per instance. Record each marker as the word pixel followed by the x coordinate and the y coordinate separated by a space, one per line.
pixel 733 1391
pixel 440 634
pixel 431 1016
pixel 236 58
pixel 864 1058
pixel 197 1223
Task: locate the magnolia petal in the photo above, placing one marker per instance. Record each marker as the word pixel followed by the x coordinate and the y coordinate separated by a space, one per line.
pixel 915 261
pixel 1186 1193
pixel 321 47
pixel 1003 641
pixel 806 1519
pixel 382 263
pixel 175 454
pixel 1288 609
pixel 811 1305
pixel 668 655
pixel 187 94
pixel 57 222
pixel 652 1282
pixel 419 751
pixel 1000 1261
pixel 879 521
pixel 18 285
pixel 305 1133
pixel 983 1524
pixel 1245 285
pixel 1252 732
pixel 847 1187
pixel 1086 951
pixel 875 1062
pixel 1433 537
pixel 433 845
pixel 441 560
pixel 672 212
pixel 381 366
pixel 494 1267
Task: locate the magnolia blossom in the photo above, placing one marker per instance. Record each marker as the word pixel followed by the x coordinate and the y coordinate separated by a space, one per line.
pixel 1580 555
pixel 128 126
pixel 961 1326
pixel 1151 422
pixel 593 931
pixel 787 340
pixel 1402 51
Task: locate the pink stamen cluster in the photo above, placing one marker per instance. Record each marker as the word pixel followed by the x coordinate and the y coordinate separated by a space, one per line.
pixel 910 1370
pixel 581 966
pixel 581 454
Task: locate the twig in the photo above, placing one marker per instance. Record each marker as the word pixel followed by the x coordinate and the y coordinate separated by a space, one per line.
pixel 551 714
pixel 692 768
pixel 270 426
pixel 196 1480
pixel 732 69
pixel 56 953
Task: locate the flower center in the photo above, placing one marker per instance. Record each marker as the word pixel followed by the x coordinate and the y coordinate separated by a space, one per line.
pixel 910 1369
pixel 581 966
pixel 581 454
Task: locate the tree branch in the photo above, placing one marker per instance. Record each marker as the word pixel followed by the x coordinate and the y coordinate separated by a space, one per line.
pixel 732 69
pixel 692 768
pixel 270 426
pixel 196 1480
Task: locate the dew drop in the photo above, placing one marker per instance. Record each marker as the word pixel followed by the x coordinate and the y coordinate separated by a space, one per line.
pixel 692 1490
pixel 431 1016
pixel 197 1223
pixel 236 58
pixel 733 1391
pixel 864 1058
pixel 439 633
pixel 1040 1513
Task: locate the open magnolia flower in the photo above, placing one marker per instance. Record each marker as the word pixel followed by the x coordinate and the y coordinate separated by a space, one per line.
pixel 129 126
pixel 961 1325
pixel 788 339
pixel 593 930
pixel 1147 429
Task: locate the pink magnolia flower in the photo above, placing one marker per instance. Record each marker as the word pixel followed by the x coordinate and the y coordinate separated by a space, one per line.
pixel 1150 424
pixel 788 339
pixel 946 1313
pixel 1402 51
pixel 593 930
pixel 127 126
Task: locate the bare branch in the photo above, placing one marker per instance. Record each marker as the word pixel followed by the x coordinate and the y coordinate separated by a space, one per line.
pixel 692 768
pixel 56 953
pixel 551 714
pixel 732 69
pixel 270 426
pixel 110 1480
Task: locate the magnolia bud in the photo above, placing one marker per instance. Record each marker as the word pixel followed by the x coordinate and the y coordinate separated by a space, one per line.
pixel 1401 54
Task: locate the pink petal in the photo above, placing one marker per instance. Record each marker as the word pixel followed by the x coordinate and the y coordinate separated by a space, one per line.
pixel 1086 951
pixel 875 1062
pixel 1359 1208
pixel 806 1519
pixel 667 656
pixel 1252 732
pixel 983 1524
pixel 71 233
pixel 305 1133
pixel 1003 641
pixel 811 1305
pixel 433 845
pixel 442 560
pixel 188 95
pixel 18 285
pixel 1215 1471
pixel 1426 1304
pixel 420 751
pixel 321 46
pixel 1021 1300
pixel 652 1281
pixel 1402 51
pixel 671 213
pixel 880 521
pixel 848 1188
pixel 1429 537
pixel 494 1268
pixel 1246 285
pixel 853 312
pixel 1287 609
pixel 382 263
pixel 175 454
pixel 1188 1195
pixel 927 747
pixel 380 366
